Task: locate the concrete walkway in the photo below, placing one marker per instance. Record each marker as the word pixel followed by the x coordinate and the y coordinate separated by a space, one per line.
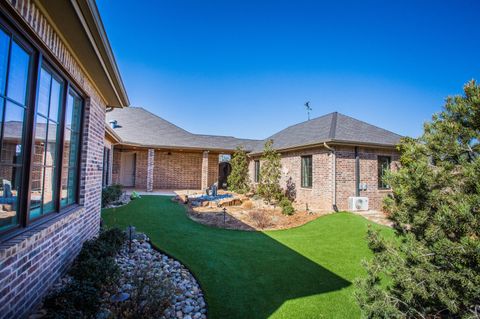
pixel 375 216
pixel 162 192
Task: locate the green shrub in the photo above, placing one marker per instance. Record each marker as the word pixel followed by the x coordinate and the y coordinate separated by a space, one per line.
pixel 76 300
pixel 150 295
pixel 111 194
pixel 238 180
pixel 114 237
pixel 134 195
pixel 93 270
pixel 286 205
pixel 100 272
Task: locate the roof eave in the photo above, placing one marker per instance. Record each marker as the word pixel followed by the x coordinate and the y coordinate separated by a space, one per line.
pixel 180 148
pixel 78 24
pixel 112 134
pixel 331 141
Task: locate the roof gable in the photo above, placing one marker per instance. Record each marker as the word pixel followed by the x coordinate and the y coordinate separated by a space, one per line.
pixel 332 127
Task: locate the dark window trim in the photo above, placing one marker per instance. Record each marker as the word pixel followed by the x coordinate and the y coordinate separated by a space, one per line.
pixel 380 183
pixel 13 24
pixel 301 171
pixel 40 56
pixel 256 171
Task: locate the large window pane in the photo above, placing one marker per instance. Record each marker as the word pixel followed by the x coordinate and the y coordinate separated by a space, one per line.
pixel 383 168
pixel 18 74
pixel 49 190
pixel 12 134
pixel 257 171
pixel 10 178
pixel 50 157
pixel 4 45
pixel 44 93
pixel 43 188
pixel 12 118
pixel 71 149
pixel 55 100
pixel 306 173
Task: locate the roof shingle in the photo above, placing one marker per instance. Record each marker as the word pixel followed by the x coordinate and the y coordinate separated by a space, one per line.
pixel 140 127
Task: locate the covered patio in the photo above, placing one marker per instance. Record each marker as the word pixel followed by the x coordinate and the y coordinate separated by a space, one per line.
pixel 163 157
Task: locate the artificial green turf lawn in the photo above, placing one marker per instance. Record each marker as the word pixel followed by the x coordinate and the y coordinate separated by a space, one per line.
pixel 304 272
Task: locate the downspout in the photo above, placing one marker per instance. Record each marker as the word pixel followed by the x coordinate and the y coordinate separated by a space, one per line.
pixel 334 176
pixel 357 172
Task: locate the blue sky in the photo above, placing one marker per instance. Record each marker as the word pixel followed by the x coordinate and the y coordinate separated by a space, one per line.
pixel 245 68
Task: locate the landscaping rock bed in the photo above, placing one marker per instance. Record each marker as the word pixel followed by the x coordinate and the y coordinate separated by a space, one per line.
pixel 187 301
pixel 150 282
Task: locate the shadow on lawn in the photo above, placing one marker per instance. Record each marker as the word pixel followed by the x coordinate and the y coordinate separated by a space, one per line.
pixel 244 274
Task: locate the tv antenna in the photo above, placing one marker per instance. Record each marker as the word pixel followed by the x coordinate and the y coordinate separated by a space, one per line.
pixel 308 108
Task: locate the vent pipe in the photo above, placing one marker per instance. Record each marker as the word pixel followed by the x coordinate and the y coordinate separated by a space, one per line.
pixel 113 123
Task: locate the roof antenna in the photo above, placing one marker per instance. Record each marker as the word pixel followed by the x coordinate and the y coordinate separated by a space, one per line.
pixel 308 108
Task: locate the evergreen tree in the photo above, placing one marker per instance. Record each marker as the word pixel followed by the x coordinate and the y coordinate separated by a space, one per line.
pixel 238 180
pixel 432 269
pixel 269 184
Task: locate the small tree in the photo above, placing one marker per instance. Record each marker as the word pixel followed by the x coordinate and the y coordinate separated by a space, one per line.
pixel 238 180
pixel 269 184
pixel 433 269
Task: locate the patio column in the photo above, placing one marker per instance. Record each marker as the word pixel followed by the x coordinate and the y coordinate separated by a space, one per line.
pixel 205 170
pixel 150 166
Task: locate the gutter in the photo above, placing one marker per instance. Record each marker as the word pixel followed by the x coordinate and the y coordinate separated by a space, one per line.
pixel 331 141
pixel 334 176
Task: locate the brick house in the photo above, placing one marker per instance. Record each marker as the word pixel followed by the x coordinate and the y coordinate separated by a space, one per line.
pixel 152 153
pixel 325 160
pixel 57 78
pixel 331 158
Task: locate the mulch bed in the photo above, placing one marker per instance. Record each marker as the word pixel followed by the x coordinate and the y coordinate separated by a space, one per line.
pixel 242 218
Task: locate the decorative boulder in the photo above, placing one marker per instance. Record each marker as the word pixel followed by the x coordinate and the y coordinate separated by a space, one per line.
pixel 183 198
pixel 229 202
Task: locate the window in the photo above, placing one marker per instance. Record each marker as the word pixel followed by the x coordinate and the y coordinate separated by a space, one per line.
pixel 383 167
pixel 44 162
pixel 257 171
pixel 71 149
pixel 14 71
pixel 48 118
pixel 106 166
pixel 307 171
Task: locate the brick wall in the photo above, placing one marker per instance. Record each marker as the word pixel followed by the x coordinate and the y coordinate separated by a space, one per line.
pixel 141 169
pixel 177 170
pixel 320 196
pixel 212 168
pixel 116 159
pixel 171 169
pixel 31 262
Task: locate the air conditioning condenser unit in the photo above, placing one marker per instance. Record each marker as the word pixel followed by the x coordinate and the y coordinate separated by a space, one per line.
pixel 357 203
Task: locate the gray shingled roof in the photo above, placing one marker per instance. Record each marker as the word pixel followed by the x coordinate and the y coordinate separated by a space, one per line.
pixel 332 127
pixel 140 127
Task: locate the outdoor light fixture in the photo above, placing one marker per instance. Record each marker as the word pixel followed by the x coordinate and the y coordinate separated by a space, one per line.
pixel 224 216
pixel 131 231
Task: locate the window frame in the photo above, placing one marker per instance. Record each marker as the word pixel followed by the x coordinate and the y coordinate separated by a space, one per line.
pixel 380 184
pixel 106 166
pixel 256 171
pixel 302 185
pixel 40 56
